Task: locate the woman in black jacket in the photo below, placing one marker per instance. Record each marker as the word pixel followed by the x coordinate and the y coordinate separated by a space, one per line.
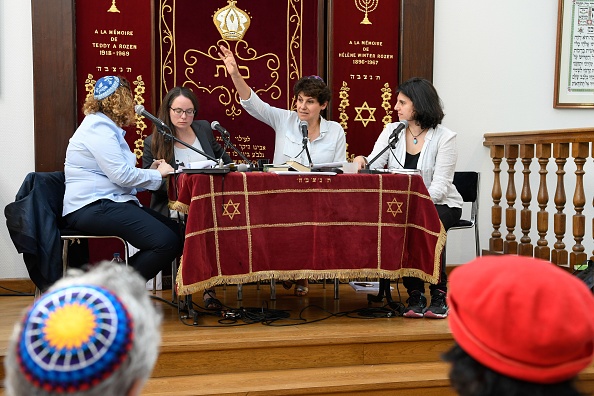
pixel 178 111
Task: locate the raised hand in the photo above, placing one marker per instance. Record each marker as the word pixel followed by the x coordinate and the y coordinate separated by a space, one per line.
pixel 227 57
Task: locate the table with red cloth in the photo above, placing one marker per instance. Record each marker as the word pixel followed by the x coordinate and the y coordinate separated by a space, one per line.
pixel 244 227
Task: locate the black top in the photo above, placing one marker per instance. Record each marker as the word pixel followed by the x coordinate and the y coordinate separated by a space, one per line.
pixel 410 162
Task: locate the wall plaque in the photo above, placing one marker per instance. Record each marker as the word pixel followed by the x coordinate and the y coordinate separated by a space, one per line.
pixel 363 63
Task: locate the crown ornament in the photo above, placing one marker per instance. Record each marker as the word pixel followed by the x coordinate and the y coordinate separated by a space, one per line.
pixel 231 22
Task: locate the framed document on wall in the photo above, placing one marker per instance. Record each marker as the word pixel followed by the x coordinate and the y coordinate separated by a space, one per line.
pixel 574 68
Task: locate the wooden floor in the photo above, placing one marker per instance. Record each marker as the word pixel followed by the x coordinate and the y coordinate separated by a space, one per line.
pixel 314 345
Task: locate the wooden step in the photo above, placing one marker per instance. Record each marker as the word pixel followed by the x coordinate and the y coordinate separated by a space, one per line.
pixel 396 340
pixel 384 379
pixel 411 379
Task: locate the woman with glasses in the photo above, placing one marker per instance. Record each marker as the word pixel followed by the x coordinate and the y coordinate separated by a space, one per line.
pixel 326 140
pixel 102 180
pixel 178 111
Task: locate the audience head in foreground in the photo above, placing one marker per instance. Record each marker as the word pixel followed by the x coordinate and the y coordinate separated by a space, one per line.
pixel 93 333
pixel 522 326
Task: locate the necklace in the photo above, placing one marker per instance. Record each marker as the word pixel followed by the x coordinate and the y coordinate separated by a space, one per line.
pixel 415 141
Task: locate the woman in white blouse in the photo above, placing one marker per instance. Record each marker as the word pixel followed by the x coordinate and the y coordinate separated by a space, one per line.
pixel 326 140
pixel 427 145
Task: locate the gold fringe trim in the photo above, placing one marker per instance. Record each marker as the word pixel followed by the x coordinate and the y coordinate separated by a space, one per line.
pixel 180 207
pixel 299 274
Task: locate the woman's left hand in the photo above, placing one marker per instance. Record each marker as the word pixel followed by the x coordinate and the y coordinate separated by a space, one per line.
pixel 164 168
pixel 156 163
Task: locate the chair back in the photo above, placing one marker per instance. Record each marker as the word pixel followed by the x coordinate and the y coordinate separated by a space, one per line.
pixel 467 185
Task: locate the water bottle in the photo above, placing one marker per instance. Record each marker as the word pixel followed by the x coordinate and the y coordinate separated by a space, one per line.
pixel 116 258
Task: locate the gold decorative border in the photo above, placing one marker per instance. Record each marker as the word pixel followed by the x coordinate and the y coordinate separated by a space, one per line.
pixel 343 117
pixel 294 43
pixel 141 127
pixel 386 96
pixel 167 36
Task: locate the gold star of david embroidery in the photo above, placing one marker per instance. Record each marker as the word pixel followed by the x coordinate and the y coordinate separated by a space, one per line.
pixel 228 205
pixel 398 208
pixel 371 110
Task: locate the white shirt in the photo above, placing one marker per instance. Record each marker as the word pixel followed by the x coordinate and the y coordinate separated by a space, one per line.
pixel 437 161
pixel 100 165
pixel 186 155
pixel 330 146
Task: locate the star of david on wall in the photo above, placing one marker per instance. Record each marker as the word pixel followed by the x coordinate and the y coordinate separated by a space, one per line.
pixel 398 207
pixel 366 107
pixel 235 209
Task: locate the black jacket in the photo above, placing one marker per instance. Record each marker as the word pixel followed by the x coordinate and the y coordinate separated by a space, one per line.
pixel 34 221
pixel 160 199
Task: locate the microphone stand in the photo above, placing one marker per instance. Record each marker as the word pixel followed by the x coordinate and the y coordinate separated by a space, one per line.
pixel 391 145
pixel 307 151
pixel 384 284
pixel 228 143
pixel 169 135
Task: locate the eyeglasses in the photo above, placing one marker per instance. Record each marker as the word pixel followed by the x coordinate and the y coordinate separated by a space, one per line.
pixel 179 112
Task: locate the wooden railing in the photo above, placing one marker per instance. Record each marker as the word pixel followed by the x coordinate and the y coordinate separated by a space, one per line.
pixel 561 145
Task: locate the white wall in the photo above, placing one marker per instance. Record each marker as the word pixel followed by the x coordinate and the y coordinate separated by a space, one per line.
pixel 494 69
pixel 16 118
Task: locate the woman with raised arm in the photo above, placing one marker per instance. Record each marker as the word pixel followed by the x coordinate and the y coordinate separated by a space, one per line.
pixel 427 145
pixel 326 140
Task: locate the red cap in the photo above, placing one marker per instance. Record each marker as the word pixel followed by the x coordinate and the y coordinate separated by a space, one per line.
pixel 522 317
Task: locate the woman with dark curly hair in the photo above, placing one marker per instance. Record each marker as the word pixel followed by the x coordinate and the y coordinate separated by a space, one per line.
pixel 427 145
pixel 326 140
pixel 102 181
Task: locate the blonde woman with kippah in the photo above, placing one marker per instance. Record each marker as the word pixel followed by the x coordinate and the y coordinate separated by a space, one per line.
pixel 102 181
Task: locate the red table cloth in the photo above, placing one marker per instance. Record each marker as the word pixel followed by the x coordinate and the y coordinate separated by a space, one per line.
pixel 245 227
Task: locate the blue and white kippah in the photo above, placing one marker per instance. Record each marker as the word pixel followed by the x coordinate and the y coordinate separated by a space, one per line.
pixel 105 86
pixel 74 338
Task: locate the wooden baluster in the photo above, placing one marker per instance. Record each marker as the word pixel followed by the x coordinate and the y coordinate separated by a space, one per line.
pixel 542 250
pixel 510 246
pixel 496 242
pixel 580 152
pixel 559 253
pixel 525 247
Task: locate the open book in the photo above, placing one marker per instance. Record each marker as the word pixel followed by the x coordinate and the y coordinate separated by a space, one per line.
pixel 287 166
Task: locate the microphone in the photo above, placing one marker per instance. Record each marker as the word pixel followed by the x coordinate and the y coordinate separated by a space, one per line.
pixel 396 131
pixel 217 127
pixel 392 140
pixel 303 126
pixel 139 109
